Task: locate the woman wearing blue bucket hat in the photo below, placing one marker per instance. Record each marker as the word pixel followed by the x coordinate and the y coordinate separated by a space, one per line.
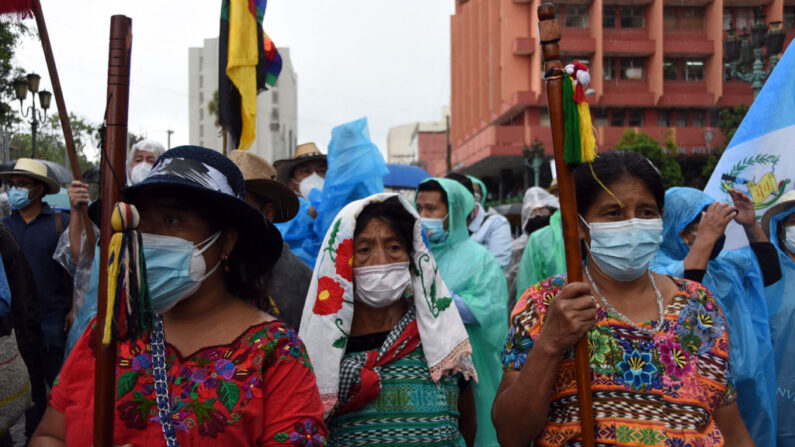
pixel 215 370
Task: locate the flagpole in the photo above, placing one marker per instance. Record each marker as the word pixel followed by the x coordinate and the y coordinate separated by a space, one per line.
pixel 223 132
pixel 113 155
pixel 549 36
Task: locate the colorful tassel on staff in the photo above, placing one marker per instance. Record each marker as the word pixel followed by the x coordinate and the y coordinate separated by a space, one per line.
pixel 129 308
pixel 580 143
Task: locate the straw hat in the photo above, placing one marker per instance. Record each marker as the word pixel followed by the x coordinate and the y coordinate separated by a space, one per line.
pixel 303 153
pixel 34 169
pixel 260 180
pixel 785 201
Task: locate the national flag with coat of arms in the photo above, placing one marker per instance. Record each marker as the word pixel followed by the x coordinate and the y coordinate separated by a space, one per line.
pixel 760 158
pixel 248 62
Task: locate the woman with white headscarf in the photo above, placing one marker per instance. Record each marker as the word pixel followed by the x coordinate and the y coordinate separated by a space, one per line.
pixel 389 349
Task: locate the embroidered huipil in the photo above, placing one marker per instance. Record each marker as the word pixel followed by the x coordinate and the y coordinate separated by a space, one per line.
pixel 258 390
pixel 647 391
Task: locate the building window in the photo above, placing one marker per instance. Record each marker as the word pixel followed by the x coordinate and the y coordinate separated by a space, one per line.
pixel 576 16
pixel 631 68
pixel 693 69
pixel 670 69
pixel 599 117
pixel 201 98
pixel 632 16
pixel 201 62
pixel 714 117
pixel 635 117
pixel 624 16
pixel 544 118
pixel 201 81
pixel 691 18
pixel 699 118
pixel 618 117
pixel 738 18
pixel 275 96
pixel 201 113
pixel 681 118
pixel 789 17
pixel 609 68
pixel 685 69
pixel 201 131
pixel 664 118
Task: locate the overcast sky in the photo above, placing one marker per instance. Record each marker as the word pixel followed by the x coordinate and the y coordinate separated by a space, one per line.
pixel 387 60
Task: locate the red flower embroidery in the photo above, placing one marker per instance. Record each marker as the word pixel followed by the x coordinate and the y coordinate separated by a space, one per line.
pixel 344 262
pixel 329 296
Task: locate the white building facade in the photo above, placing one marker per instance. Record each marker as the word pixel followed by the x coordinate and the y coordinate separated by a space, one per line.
pixel 277 108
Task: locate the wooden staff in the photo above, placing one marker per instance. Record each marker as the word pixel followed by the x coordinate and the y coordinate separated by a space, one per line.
pixel 88 248
pixel 113 171
pixel 549 35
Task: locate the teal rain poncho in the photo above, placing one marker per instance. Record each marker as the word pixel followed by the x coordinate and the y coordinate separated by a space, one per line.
pixel 544 255
pixel 470 271
pixel 781 307
pixel 735 279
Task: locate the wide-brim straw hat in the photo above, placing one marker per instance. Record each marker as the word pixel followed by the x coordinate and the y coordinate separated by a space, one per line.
pixel 260 179
pixel 218 181
pixel 303 153
pixel 34 169
pixel 785 201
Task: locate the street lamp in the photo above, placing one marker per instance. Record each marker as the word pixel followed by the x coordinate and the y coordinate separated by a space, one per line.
pixel 21 87
pixel 534 158
pixel 743 54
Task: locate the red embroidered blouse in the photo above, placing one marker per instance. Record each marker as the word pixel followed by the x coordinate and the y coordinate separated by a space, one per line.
pixel 259 390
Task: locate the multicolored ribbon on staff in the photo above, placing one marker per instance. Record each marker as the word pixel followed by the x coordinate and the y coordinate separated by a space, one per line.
pixel 129 309
pixel 580 143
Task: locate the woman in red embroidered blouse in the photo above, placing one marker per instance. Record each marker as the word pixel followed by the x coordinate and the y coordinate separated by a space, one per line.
pixel 233 374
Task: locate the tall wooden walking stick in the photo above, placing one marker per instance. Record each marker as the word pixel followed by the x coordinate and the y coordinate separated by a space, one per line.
pixel 549 35
pixel 113 157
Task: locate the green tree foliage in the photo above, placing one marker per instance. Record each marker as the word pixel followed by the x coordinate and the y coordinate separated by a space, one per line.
pixel 654 151
pixel 11 33
pixel 730 119
pixel 50 143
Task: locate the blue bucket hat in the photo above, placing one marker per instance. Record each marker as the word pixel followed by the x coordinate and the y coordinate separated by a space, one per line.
pixel 216 178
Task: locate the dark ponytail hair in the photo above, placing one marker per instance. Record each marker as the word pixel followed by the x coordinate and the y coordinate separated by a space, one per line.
pixel 611 167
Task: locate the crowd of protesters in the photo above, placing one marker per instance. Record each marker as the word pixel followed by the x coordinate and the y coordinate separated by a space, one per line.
pixel 298 303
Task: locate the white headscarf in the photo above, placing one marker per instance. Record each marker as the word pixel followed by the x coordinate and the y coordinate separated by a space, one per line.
pixel 536 197
pixel 328 311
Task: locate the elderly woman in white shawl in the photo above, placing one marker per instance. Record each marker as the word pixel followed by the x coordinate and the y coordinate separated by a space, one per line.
pixel 390 351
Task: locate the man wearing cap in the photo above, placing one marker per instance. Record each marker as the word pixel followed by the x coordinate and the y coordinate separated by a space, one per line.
pixel 37 228
pixel 303 173
pixel 289 280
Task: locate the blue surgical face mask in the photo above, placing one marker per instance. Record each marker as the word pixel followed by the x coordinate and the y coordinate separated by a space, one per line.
pixel 623 250
pixel 435 229
pixel 789 241
pixel 175 268
pixel 18 198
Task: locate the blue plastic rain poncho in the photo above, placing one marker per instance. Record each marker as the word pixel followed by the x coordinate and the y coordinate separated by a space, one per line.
pixel 472 273
pixel 781 307
pixel 734 277
pixel 356 170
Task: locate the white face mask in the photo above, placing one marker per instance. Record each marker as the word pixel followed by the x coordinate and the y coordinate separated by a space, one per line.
pixel 306 185
pixel 381 285
pixel 139 172
pixel 790 239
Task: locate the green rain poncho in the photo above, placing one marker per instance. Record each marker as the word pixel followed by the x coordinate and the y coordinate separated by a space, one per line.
pixel 544 255
pixel 471 272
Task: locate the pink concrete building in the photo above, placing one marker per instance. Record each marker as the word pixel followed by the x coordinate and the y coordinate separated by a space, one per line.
pixel 656 65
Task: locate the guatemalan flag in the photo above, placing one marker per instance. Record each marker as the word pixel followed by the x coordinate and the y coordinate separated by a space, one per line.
pixel 760 158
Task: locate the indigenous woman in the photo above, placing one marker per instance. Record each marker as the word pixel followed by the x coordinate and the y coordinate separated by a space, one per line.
pixel 658 345
pixel 214 370
pixel 391 353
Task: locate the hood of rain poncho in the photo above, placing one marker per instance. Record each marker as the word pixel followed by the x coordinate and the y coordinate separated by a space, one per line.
pixel 471 272
pixel 356 170
pixel 144 145
pixel 326 321
pixel 483 191
pixel 536 197
pixel 781 307
pixel 460 203
pixel 734 277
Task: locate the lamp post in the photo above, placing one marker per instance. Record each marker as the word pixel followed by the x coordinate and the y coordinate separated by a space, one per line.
pixel 743 54
pixel 21 87
pixel 534 158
